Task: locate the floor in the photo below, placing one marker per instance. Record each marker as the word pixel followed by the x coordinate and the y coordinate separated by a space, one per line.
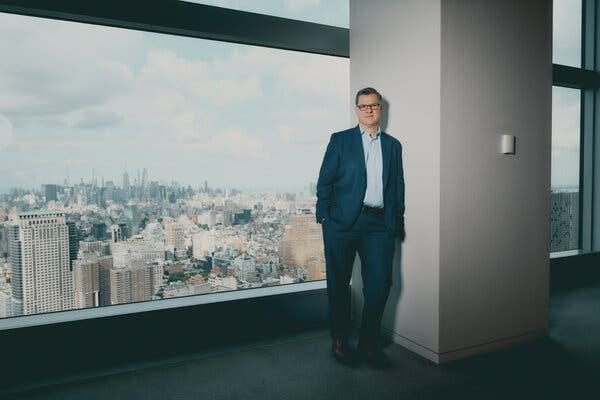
pixel 563 365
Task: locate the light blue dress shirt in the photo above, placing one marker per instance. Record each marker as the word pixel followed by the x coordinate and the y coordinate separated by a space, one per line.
pixel 374 165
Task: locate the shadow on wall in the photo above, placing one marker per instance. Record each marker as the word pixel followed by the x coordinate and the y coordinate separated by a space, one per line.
pixel 383 121
pixel 394 298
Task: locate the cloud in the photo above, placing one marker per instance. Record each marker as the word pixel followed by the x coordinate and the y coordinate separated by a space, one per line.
pixel 565 121
pixel 94 119
pixel 57 66
pixel 302 73
pixel 197 135
pixel 6 132
pixel 235 141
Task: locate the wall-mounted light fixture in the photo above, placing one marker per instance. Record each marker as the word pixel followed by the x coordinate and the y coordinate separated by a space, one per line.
pixel 508 144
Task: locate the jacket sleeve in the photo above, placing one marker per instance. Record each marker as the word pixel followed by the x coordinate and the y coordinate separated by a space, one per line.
pixel 400 196
pixel 326 179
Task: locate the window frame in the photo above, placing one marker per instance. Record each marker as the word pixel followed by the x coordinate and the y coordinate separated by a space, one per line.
pixel 586 79
pixel 201 21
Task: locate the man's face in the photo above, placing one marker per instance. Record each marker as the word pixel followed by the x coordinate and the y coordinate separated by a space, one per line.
pixel 370 114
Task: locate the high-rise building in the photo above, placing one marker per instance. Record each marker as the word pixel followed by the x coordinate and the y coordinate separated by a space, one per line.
pixel 109 192
pixel 242 218
pixel 131 284
pixel 99 230
pixel 42 280
pixel 51 192
pixel 126 187
pixel 302 241
pixel 316 270
pixel 208 218
pixel 93 246
pixel 137 249
pixel 3 240
pixel 564 221
pixel 87 280
pixel 133 218
pixel 203 244
pixel 5 302
pixel 245 267
pixel 175 235
pixel 73 242
pixel 116 233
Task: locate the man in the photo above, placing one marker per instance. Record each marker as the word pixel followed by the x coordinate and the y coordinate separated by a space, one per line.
pixel 360 203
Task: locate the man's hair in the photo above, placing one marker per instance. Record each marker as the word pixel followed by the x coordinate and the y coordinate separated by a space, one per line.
pixel 368 90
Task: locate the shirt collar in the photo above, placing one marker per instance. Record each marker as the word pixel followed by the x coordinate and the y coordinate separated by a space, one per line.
pixel 365 134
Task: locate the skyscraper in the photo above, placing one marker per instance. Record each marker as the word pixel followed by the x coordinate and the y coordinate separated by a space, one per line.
pixel 51 192
pixel 302 242
pixel 116 233
pixel 87 280
pixel 126 188
pixel 175 235
pixel 132 284
pixel 564 221
pixel 3 240
pixel 42 280
pixel 73 242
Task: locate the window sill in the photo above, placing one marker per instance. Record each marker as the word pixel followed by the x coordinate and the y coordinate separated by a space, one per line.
pixel 109 311
pixel 570 253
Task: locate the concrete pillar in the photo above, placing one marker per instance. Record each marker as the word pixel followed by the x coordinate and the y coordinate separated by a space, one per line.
pixel 472 275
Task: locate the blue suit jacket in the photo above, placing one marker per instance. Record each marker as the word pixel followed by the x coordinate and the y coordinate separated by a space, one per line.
pixel 343 181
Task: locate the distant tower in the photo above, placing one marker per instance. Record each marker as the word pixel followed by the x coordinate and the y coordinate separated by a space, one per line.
pixel 116 233
pixel 126 189
pixel 67 177
pixel 40 263
pixel 51 192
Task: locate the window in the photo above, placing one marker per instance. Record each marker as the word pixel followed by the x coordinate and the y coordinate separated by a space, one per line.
pixel 566 32
pixel 575 202
pixel 175 166
pixel 566 116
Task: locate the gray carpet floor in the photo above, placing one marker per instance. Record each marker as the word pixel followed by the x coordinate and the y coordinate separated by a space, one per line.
pixel 563 365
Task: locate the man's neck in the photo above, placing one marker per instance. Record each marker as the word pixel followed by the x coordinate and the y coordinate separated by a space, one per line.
pixel 370 129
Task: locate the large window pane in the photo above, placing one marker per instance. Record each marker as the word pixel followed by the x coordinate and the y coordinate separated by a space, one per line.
pixel 330 12
pixel 137 166
pixel 566 112
pixel 566 32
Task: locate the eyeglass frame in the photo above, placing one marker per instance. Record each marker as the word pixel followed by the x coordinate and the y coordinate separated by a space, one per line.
pixel 372 107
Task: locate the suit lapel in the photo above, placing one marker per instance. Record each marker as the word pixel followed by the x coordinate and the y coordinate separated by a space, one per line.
pixel 386 155
pixel 360 150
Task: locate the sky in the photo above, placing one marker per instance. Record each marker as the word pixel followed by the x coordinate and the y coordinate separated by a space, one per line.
pixel 82 98
pixel 566 103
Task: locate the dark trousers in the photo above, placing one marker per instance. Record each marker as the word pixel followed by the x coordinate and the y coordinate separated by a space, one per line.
pixel 375 247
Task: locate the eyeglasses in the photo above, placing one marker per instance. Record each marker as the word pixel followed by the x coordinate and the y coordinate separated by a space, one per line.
pixel 364 107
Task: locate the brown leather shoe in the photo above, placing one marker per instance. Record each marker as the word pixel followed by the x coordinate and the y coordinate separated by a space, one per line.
pixel 343 353
pixel 374 355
